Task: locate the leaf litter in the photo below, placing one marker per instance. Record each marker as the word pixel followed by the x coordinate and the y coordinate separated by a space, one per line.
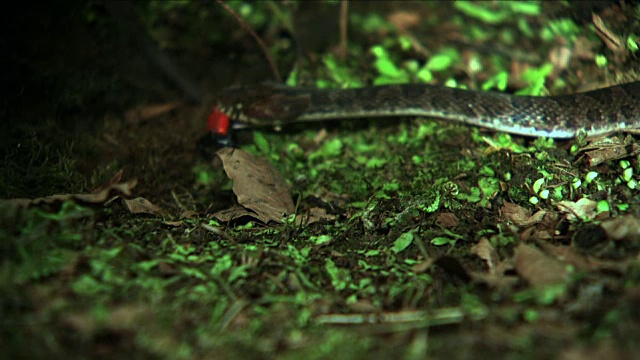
pixel 106 193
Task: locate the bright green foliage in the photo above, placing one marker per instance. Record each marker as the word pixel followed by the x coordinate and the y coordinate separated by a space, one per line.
pixel 340 73
pixel 565 28
pixel 403 241
pixel 498 81
pixel 536 78
pixel 632 43
pixel 340 277
pixel 443 60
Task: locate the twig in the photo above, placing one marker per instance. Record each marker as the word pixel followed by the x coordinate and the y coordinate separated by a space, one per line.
pixel 344 12
pixel 259 41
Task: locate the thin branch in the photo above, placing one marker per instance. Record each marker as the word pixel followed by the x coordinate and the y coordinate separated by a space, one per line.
pixel 255 36
pixel 344 12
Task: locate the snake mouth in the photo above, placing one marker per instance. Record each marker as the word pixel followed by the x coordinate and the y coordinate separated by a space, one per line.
pixel 210 142
pixel 218 122
pixel 218 133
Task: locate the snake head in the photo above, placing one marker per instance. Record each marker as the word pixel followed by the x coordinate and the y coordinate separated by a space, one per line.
pixel 218 134
pixel 240 107
pixel 263 105
pixel 218 121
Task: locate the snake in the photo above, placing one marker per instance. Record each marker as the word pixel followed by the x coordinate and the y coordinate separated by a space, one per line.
pixel 585 115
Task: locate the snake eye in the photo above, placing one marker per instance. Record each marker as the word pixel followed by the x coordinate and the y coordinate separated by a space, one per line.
pixel 218 122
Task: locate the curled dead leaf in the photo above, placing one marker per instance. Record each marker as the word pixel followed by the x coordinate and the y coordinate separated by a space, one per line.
pixel 486 252
pixel 495 276
pixel 105 194
pixel 520 216
pixel 259 187
pixel 584 209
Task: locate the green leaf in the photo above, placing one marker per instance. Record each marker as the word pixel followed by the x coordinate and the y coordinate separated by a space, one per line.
pixel 390 187
pixel 374 163
pixel 387 68
pixel 261 142
pixel 524 7
pixel 403 241
pixel 321 240
pixel 482 11
pixel 441 240
pixel 498 81
pixel 440 61
pixel 425 74
pixel 340 278
pixel 405 43
pixel 473 196
pixel 632 43
pixel 431 207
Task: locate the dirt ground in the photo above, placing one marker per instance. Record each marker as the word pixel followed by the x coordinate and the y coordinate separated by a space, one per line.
pixel 400 237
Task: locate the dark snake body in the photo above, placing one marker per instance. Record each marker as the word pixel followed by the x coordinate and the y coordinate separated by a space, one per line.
pixel 593 114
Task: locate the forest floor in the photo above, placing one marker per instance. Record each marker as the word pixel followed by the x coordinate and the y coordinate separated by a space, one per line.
pixel 405 238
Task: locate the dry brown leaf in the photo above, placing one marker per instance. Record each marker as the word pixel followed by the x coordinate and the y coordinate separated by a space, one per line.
pixel 537 268
pixel 486 252
pixel 115 179
pixel 404 20
pixel 422 266
pixel 141 205
pixel 560 57
pixel 188 214
pixel 599 156
pixel 496 275
pixel 105 194
pixel 259 187
pixel 520 216
pixel 232 213
pixel 584 209
pixel 147 112
pixel 581 262
pixel 447 220
pixel 614 42
pixel 609 149
pixel 314 215
pixel 622 228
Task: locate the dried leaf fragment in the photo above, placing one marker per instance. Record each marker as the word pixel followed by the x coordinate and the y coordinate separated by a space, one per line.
pixel 148 112
pixel 582 262
pixel 584 209
pixel 141 205
pixel 622 228
pixel 103 195
pixel 447 220
pixel 520 216
pixel 538 268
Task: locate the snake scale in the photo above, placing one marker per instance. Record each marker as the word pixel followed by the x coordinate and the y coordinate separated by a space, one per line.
pixel 589 114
